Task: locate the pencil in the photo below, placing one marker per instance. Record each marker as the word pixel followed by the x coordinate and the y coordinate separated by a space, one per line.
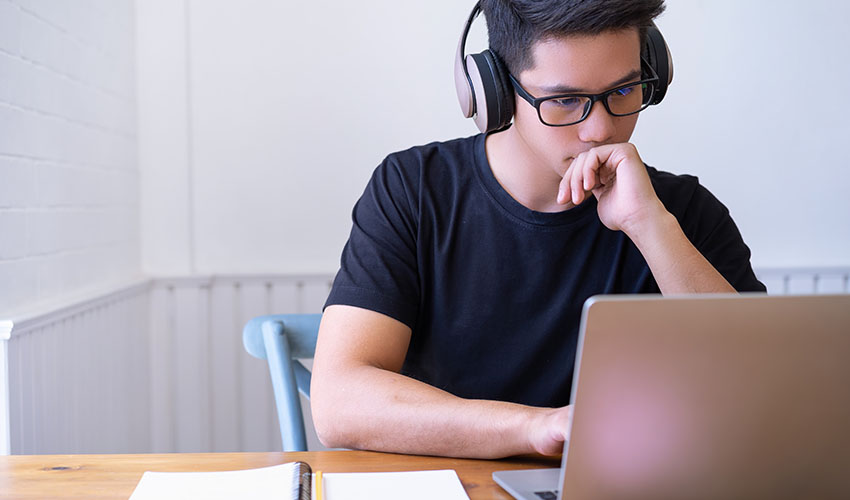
pixel 318 485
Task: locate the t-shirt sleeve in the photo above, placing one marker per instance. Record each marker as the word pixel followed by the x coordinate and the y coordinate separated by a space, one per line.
pixel 709 226
pixel 378 267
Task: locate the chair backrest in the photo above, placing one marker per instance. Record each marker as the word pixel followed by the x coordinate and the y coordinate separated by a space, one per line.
pixel 282 339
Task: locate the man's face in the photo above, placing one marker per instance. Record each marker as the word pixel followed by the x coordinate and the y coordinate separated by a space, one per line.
pixel 583 64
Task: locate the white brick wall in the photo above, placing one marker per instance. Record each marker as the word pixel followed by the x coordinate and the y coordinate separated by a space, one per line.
pixel 69 179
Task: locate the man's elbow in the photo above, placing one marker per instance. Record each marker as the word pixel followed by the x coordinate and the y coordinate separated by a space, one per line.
pixel 329 419
pixel 328 433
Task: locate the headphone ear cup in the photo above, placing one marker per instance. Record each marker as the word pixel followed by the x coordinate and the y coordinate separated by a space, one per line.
pixel 493 109
pixel 504 91
pixel 657 54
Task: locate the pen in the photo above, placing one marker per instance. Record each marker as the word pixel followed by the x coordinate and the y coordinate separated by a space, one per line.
pixel 318 485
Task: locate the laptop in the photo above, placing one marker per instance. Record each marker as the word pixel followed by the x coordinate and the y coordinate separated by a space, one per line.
pixel 705 397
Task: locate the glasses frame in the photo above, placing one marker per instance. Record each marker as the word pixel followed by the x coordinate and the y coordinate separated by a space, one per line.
pixel 536 102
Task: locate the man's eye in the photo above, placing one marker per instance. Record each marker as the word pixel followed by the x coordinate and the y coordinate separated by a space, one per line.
pixel 623 92
pixel 567 102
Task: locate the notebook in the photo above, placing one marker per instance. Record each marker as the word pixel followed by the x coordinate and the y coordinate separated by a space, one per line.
pixel 720 396
pixel 294 481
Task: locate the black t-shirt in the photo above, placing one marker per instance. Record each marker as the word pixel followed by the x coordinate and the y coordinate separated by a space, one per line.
pixel 493 291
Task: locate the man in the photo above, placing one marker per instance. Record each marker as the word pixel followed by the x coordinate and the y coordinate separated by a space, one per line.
pixel 452 325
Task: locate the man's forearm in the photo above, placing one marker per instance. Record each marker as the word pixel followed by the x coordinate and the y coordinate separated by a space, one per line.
pixel 385 411
pixel 677 266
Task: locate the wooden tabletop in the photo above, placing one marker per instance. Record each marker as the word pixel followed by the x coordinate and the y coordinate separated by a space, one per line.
pixel 115 476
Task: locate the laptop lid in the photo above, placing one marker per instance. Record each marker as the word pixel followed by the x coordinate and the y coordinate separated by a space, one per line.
pixel 712 396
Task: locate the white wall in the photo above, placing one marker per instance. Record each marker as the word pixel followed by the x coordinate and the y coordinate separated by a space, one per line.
pixel 757 110
pixel 292 105
pixel 266 118
pixel 164 137
pixel 68 171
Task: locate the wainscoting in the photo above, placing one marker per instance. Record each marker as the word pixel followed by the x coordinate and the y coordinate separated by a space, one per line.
pixel 78 377
pixel 207 393
pixel 158 366
pixel 804 281
pixel 154 367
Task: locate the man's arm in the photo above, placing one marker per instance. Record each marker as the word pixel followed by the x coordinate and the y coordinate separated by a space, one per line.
pixel 360 400
pixel 616 175
pixel 677 266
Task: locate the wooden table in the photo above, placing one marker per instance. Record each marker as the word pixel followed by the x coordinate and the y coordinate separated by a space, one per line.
pixel 115 476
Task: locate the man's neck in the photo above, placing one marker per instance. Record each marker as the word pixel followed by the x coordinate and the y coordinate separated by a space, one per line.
pixel 524 176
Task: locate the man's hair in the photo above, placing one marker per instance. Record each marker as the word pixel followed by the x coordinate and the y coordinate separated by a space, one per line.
pixel 514 26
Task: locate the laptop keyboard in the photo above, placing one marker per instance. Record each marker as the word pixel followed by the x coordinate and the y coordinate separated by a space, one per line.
pixel 547 495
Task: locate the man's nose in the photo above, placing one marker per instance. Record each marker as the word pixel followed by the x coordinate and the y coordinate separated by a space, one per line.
pixel 598 126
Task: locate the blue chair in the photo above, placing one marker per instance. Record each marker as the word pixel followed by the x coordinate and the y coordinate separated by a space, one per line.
pixel 281 339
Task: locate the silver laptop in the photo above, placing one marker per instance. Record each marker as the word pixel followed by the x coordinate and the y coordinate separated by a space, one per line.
pixel 720 396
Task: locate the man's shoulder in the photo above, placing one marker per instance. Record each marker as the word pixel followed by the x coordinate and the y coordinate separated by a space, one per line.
pixel 431 168
pixel 429 165
pixel 437 152
pixel 669 180
pixel 674 189
pixel 683 194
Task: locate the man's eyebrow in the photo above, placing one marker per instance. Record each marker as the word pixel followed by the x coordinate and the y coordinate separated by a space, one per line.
pixel 561 89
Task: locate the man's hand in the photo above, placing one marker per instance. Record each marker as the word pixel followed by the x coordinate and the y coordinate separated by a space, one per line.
pixel 549 429
pixel 627 202
pixel 616 175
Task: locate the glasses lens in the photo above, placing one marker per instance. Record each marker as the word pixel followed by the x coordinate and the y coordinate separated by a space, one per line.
pixel 563 110
pixel 631 99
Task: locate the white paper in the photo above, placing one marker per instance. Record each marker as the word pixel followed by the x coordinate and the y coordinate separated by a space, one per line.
pixel 276 482
pixel 273 482
pixel 417 485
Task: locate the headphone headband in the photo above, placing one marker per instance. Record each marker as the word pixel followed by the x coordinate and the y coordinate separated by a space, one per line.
pixel 463 83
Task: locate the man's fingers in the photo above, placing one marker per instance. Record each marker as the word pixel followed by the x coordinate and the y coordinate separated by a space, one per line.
pixel 564 186
pixel 607 175
pixel 586 174
pixel 590 179
pixel 576 181
pixel 590 170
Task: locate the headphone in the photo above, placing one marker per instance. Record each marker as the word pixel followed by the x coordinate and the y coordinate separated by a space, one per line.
pixel 486 95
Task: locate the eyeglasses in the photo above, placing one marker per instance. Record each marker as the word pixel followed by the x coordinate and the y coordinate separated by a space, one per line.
pixel 568 109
